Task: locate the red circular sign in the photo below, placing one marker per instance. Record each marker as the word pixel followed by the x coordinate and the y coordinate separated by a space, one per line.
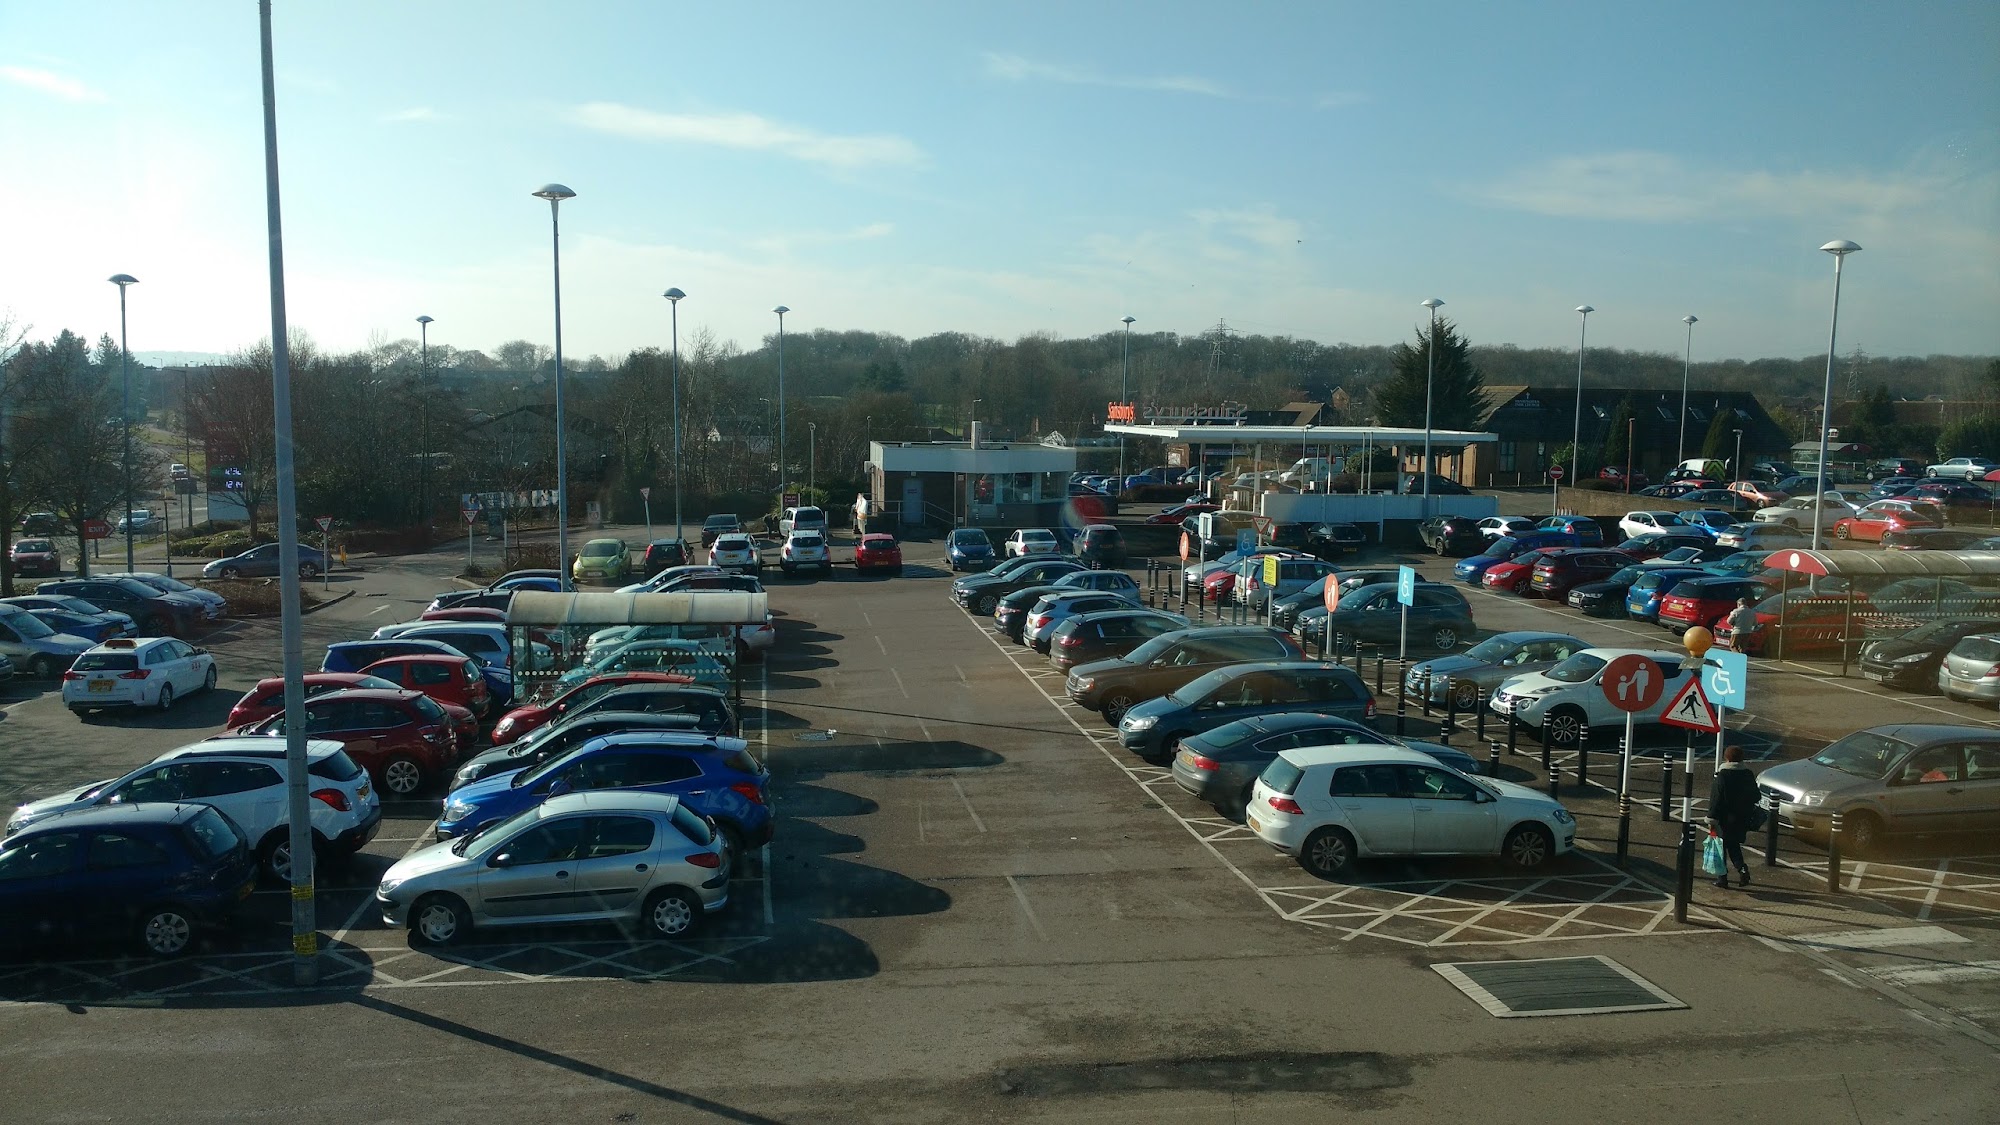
pixel 1555 472
pixel 1332 592
pixel 1632 682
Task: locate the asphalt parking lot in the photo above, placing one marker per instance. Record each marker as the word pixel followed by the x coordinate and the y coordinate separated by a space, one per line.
pixel 976 908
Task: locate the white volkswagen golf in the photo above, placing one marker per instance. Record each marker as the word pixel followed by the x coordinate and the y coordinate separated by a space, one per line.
pixel 1328 805
pixel 137 672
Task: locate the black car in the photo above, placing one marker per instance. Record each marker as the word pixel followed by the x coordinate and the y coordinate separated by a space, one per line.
pixel 1440 619
pixel 981 593
pixel 1931 539
pixel 1896 467
pixel 1412 484
pixel 156 614
pixel 150 874
pixel 1010 617
pixel 725 524
pixel 1107 633
pixel 1100 545
pixel 663 553
pixel 1605 598
pixel 1315 607
pixel 1910 660
pixel 1221 765
pixel 1154 729
pixel 562 737
pixel 496 591
pixel 1111 687
pixel 1331 541
pixel 1453 535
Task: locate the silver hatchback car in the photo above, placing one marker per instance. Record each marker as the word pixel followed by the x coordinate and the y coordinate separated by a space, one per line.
pixel 1971 670
pixel 606 856
pixel 1893 780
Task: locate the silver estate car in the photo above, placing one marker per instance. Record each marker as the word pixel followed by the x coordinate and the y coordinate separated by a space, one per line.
pixel 605 856
pixel 1904 779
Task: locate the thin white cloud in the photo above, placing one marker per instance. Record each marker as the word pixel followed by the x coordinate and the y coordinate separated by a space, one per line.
pixel 1660 188
pixel 1014 68
pixel 752 133
pixel 1340 99
pixel 51 83
pixel 414 113
pixel 783 243
pixel 1261 226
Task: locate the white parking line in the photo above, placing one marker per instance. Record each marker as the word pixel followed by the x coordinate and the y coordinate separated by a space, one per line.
pixel 969 810
pixel 898 677
pixel 764 755
pixel 368 896
pixel 1021 897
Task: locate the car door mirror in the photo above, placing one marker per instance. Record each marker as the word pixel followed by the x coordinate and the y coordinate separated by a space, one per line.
pixel 504 859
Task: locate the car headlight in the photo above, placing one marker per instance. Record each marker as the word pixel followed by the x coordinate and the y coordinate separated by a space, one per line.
pixel 1810 799
pixel 1561 815
pixel 457 809
pixel 1913 658
pixel 1137 722
pixel 1086 683
pixel 389 886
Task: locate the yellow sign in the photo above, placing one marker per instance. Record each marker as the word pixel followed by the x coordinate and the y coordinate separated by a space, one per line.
pixel 1271 571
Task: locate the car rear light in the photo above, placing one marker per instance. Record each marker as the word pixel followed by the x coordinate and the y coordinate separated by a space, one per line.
pixel 332 798
pixel 1039 620
pixel 1070 641
pixel 1203 762
pixel 748 792
pixel 706 859
pixel 135 674
pixel 1286 805
pixel 1993 671
pixel 72 675
pixel 1368 709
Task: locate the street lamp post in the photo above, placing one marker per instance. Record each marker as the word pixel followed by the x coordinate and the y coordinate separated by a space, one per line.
pixel 1124 396
pixel 1681 451
pixel 1430 351
pixel 1576 429
pixel 673 297
pixel 555 194
pixel 1736 466
pixel 424 396
pixel 782 466
pixel 812 459
pixel 1840 249
pixel 121 280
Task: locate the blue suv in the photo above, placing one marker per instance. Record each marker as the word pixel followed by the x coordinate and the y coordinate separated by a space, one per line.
pixel 1469 571
pixel 714 776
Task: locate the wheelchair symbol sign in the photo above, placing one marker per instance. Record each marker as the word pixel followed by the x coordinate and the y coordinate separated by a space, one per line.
pixel 1725 678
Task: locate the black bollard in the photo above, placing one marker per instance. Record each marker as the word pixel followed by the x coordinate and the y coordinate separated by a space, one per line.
pixel 1427 691
pixel 1684 873
pixel 1378 670
pixel 1582 755
pixel 1546 767
pixel 1666 786
pixel 1513 734
pixel 1624 827
pixel 1479 716
pixel 1771 834
pixel 1402 702
pixel 1555 787
pixel 1450 726
pixel 1493 758
pixel 1833 855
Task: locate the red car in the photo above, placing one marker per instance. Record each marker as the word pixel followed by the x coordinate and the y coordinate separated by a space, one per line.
pixel 1514 575
pixel 878 551
pixel 1555 574
pixel 268 698
pixel 447 679
pixel 1811 623
pixel 1614 473
pixel 404 739
pixel 35 558
pixel 1172 517
pixel 466 613
pixel 1705 601
pixel 1884 516
pixel 521 720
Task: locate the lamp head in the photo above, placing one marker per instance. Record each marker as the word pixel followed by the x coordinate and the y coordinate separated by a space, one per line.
pixel 781 310
pixel 1690 320
pixel 1433 304
pixel 424 320
pixel 1126 321
pixel 121 280
pixel 1585 309
pixel 554 193
pixel 1839 248
pixel 673 295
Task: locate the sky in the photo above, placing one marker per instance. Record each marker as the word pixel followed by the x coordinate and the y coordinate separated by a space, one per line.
pixel 1313 169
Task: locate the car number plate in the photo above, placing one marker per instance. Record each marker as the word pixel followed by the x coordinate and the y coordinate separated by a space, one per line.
pixel 1253 823
pixel 103 686
pixel 1878 677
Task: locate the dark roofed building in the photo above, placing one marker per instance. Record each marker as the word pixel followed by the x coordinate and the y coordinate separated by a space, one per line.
pixel 1535 422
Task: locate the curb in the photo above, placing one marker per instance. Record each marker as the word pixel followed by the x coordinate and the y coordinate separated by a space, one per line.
pixel 308 610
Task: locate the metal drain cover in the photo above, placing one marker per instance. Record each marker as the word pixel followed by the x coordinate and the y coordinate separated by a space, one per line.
pixel 814 736
pixel 1556 986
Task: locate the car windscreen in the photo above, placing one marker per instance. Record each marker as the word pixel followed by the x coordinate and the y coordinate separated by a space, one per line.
pixel 1491 650
pixel 600 550
pixel 1504 547
pixel 135 587
pixel 1201 686
pixel 1978 648
pixel 1281 776
pixel 427 707
pixel 1863 754
pixel 30 627
pixel 1577 669
pixel 211 834
pixel 1151 649
pixel 104 661
pixel 1629 575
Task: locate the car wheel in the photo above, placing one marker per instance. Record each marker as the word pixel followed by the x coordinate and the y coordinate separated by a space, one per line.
pixel 1860 833
pixel 1566 725
pixel 1840 531
pixel 230 572
pixel 1170 748
pixel 440 919
pixel 155 627
pixel 672 913
pixel 275 855
pixel 1464 694
pixel 1527 847
pixel 208 681
pixel 42 668
pixel 1115 706
pixel 402 776
pixel 1327 852
pixel 1793 524
pixel 1444 638
pixel 985 605
pixel 308 570
pixel 166 696
pixel 165 931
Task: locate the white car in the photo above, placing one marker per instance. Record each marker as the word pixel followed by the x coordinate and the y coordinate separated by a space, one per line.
pixel 1329 805
pixel 137 672
pixel 1799 512
pixel 245 778
pixel 1032 541
pixel 1493 527
pixel 1636 524
pixel 1962 468
pixel 735 551
pixel 802 519
pixel 805 548
pixel 1570 700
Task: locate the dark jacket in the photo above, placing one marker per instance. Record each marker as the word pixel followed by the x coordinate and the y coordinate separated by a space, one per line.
pixel 1733 797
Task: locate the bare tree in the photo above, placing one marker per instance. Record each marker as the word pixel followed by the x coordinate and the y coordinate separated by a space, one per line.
pixel 73 463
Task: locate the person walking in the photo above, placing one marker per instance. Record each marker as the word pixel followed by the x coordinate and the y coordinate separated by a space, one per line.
pixel 1733 805
pixel 1741 621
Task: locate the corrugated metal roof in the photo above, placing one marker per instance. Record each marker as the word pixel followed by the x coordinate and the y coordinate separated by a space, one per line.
pixel 702 607
pixel 1888 563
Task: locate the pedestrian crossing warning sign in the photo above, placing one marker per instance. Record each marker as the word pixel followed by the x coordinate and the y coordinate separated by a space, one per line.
pixel 1690 708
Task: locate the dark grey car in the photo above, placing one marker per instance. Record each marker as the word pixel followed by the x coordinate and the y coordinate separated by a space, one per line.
pixel 1474 673
pixel 1893 780
pixel 1221 765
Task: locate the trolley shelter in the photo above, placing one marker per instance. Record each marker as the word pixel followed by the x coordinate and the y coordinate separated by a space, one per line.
pixel 560 639
pixel 1835 600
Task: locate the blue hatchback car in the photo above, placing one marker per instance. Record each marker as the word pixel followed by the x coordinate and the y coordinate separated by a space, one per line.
pixel 1469 571
pixel 714 776
pixel 1642 601
pixel 968 548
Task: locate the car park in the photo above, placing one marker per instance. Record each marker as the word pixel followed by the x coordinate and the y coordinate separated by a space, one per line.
pixel 1800 511
pixel 1569 700
pixel 1100 545
pixel 213 604
pixel 1328 806
pixel 404 739
pixel 1896 780
pixel 1032 541
pixel 1107 634
pixel 262 562
pixel 602 560
pixel 92 627
pixel 1221 765
pixel 878 552
pixel 120 624
pixel 480 614
pixel 1471 570
pixel 805 549
pixel 1294 574
pixel 136 672
pixel 1962 468
pixel 1875 520
pixel 980 594
pixel 559 738
pixel 243 778
pixel 806 518
pixel 1651 587
pixel 702 662
pixel 1722 499
pixel 156 614
pixel 1714 521
pixel 1891 487
pixel 268 699
pixel 1909 660
pixel 1947 492
pixel 1159 666
pixel 663 553
pixel 716 526
pixel 35 558
pixel 613 856
pixel 1797 622
pixel 1653 546
pixel 152 875
pixel 968 548
pixel 1439 619
pixel 1464 679
pixel 1704 601
pixel 34 647
pixel 734 550
pixel 1891 467
pixel 1173 514
pixel 1153 729
pixel 1586 531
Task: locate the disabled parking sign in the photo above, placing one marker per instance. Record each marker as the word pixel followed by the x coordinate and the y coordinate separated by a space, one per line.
pixel 1725 678
pixel 1406 585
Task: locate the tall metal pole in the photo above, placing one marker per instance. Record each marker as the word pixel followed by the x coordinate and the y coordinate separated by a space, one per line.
pixel 1840 250
pixel 673 297
pixel 1681 451
pixel 1736 466
pixel 424 387
pixel 782 466
pixel 1125 396
pixel 1430 350
pixel 125 362
pixel 1576 430
pixel 555 194
pixel 305 932
pixel 812 458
